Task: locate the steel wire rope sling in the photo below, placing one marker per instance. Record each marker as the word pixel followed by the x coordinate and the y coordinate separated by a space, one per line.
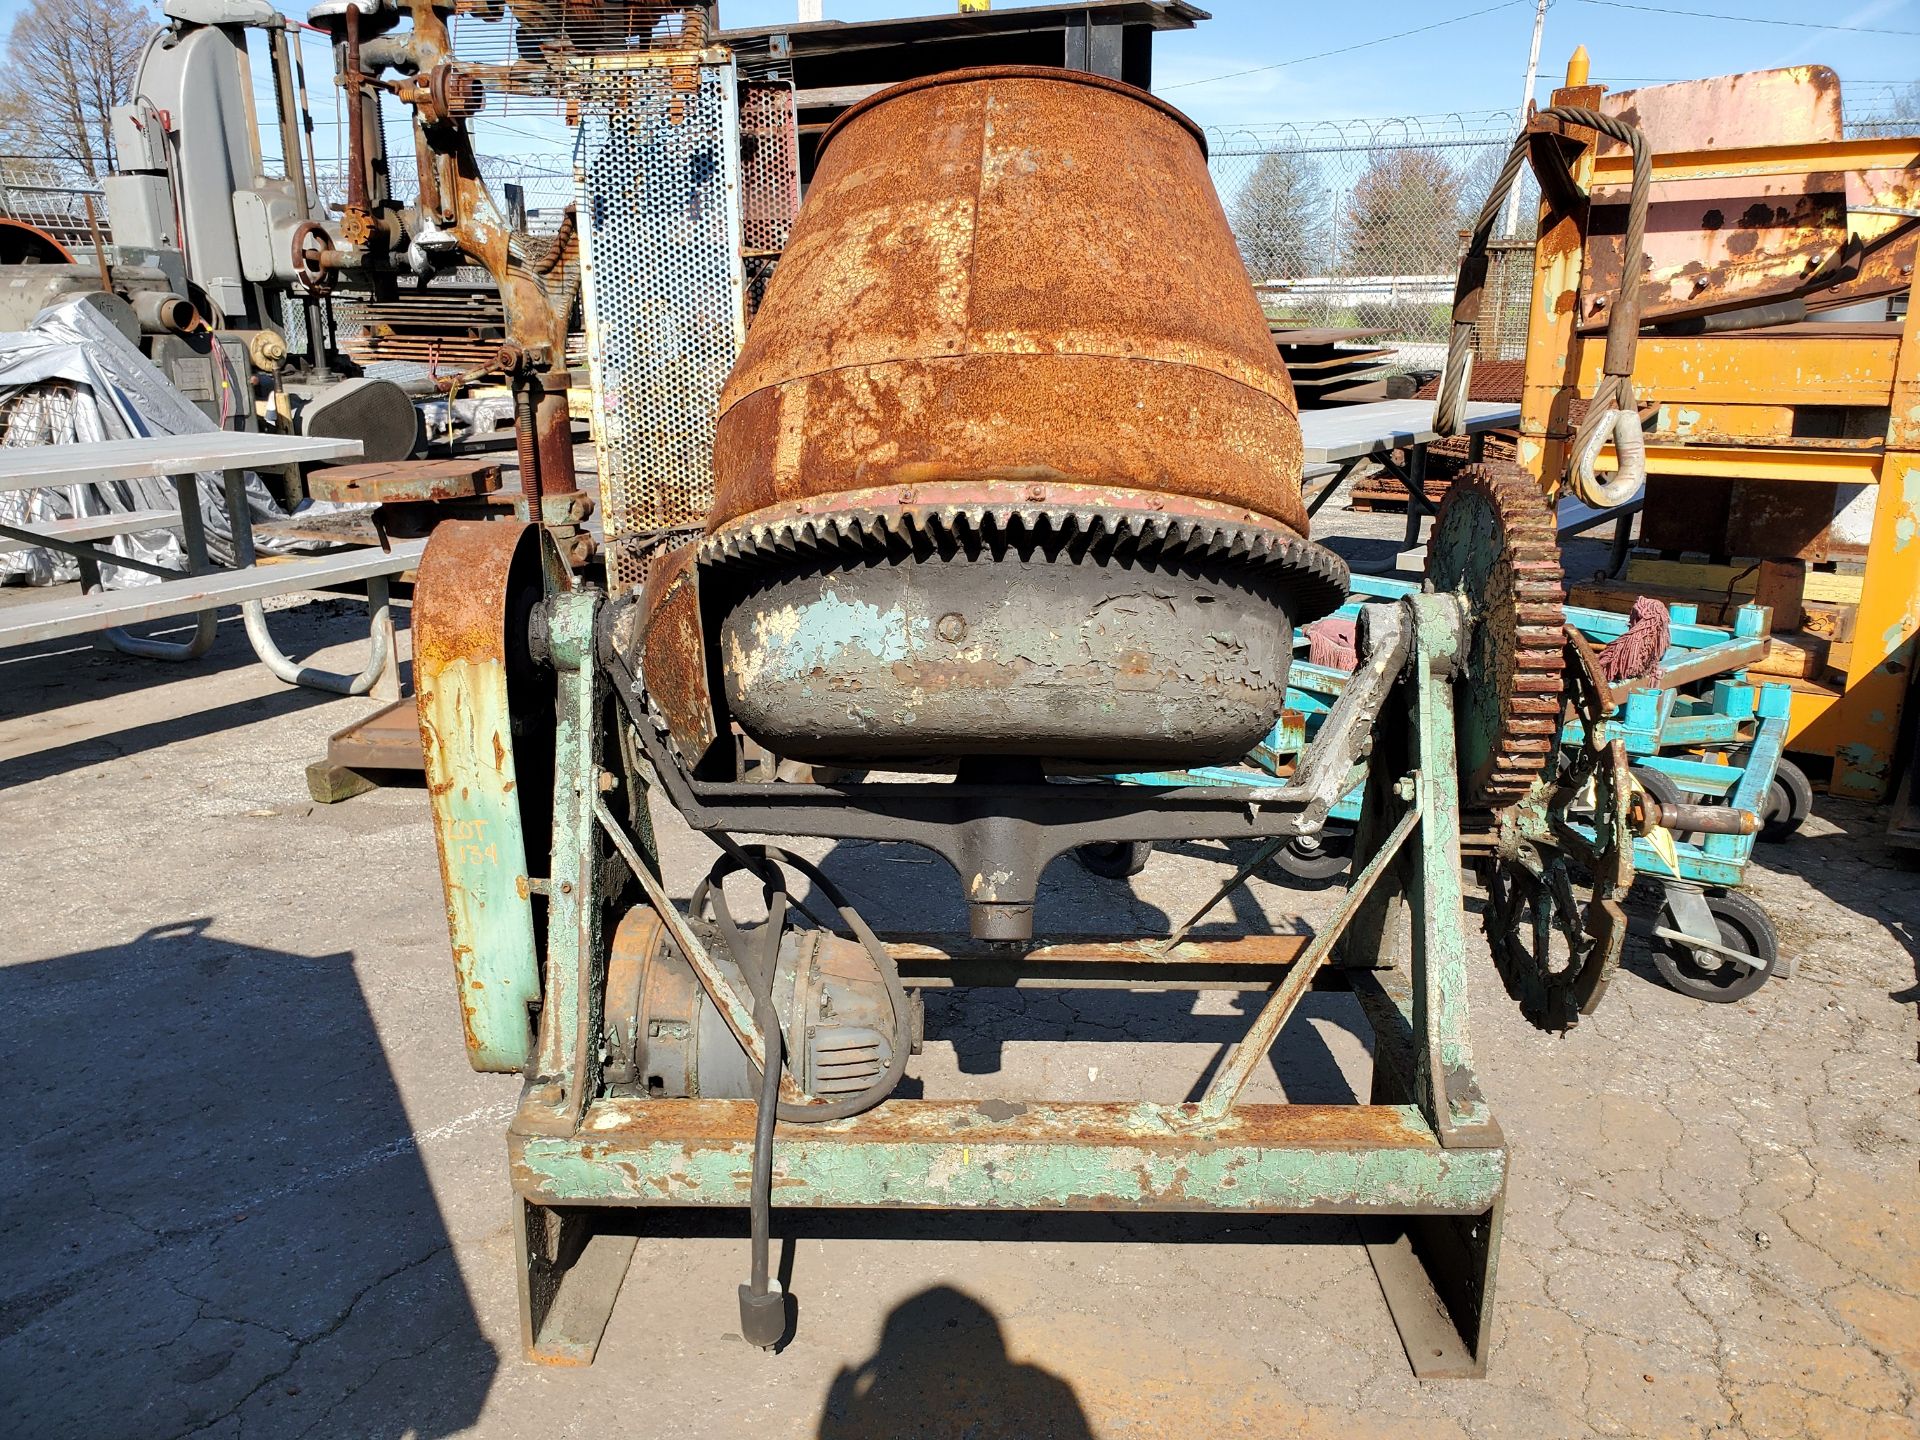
pixel 1613 413
pixel 762 1306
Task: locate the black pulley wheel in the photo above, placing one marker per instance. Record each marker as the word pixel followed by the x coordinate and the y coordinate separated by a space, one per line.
pixel 1316 857
pixel 1115 859
pixel 1707 974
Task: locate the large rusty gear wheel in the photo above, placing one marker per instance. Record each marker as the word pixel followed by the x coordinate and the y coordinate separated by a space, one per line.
pixel 1494 545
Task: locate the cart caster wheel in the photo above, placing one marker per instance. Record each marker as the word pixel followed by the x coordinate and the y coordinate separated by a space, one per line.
pixel 1115 859
pixel 1316 857
pixel 1658 785
pixel 1720 979
pixel 1789 802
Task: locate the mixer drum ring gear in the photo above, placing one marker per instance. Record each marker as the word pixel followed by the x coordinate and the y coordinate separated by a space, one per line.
pixel 935 632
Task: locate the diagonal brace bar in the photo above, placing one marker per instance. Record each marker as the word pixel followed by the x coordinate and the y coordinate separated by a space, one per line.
pixel 1239 877
pixel 1233 1076
pixel 87 550
pixel 734 1007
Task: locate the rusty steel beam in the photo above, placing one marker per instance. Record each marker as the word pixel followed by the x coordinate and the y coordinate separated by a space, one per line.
pixel 1792 364
pixel 533 356
pixel 1880 670
pixel 1238 962
pixel 1743 162
pixel 1699 456
pixel 1555 348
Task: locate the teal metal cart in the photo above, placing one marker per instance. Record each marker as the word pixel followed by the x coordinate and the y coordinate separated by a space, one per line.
pixel 1709 940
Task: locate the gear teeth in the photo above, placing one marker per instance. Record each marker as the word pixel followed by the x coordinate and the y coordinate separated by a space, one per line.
pixel 1316 576
pixel 1522 646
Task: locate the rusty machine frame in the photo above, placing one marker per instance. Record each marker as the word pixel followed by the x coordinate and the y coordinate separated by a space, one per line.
pixel 403 48
pixel 557 843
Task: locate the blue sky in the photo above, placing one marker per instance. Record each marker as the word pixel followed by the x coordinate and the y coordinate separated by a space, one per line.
pixel 1231 70
pixel 1476 64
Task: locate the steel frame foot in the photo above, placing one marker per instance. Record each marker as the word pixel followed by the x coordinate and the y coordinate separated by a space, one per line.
pixel 1436 1273
pixel 570 1276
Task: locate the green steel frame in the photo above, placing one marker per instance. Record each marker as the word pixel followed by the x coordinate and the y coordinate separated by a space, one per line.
pixel 1422 1162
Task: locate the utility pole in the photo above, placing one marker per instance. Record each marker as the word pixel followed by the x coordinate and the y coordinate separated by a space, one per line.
pixel 1511 220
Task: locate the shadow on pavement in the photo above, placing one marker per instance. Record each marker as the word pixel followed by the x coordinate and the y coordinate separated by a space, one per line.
pixel 213 1205
pixel 68 672
pixel 942 1368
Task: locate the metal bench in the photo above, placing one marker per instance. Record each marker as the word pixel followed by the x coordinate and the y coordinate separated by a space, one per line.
pixel 96 527
pixel 1345 436
pixel 199 589
pixel 1576 517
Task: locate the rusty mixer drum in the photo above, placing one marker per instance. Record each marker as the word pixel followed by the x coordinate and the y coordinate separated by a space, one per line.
pixel 1009 464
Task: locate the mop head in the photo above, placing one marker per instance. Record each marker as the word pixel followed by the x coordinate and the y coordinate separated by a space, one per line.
pixel 1636 654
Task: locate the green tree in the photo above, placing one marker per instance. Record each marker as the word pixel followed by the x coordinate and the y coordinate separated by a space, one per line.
pixel 69 62
pixel 1403 217
pixel 1283 219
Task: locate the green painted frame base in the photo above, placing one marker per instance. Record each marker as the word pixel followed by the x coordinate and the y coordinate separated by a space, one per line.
pixel 1423 1158
pixel 1430 1212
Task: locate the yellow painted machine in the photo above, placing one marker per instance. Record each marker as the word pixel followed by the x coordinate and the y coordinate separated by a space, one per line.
pixel 1778 385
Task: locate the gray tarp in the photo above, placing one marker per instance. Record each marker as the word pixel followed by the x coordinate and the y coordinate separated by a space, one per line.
pixel 111 392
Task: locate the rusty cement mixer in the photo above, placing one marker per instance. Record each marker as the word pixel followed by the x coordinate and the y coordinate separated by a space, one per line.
pixel 1007 494
pixel 1010 365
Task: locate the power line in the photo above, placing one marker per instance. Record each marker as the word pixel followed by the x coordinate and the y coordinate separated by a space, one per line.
pixel 1745 19
pixel 1344 49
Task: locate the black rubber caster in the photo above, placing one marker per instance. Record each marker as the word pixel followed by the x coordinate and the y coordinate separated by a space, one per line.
pixel 1707 974
pixel 1316 857
pixel 1115 859
pixel 1789 802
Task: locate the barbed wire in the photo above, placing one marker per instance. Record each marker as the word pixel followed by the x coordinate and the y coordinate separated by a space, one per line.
pixel 1449 128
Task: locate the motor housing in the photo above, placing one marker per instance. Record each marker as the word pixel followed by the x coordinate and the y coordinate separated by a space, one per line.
pixel 666 1039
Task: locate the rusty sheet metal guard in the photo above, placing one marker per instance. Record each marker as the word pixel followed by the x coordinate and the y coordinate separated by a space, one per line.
pixel 463 647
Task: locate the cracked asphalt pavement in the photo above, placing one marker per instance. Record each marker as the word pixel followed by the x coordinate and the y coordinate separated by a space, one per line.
pixel 251 1188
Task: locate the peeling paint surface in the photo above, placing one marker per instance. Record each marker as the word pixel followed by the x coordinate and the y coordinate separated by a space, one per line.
pixel 1337 1159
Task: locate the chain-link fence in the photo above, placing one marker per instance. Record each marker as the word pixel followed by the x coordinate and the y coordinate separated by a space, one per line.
pixel 50 193
pixel 1360 225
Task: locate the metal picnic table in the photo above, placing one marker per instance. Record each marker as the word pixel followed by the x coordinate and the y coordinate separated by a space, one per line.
pixel 1335 441
pixel 1343 436
pixel 200 589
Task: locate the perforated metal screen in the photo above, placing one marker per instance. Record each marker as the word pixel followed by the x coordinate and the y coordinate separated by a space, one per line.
pixel 769 178
pixel 658 165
